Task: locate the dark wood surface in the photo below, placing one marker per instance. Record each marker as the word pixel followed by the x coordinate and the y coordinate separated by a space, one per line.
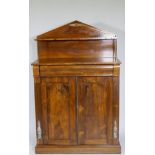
pixel 59 116
pixel 77 61
pixel 75 30
pixel 76 40
pixel 96 149
pixel 76 81
pixel 87 70
pixel 95 110
pixel 76 49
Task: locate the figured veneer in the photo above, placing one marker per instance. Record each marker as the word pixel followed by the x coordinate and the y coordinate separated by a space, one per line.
pixel 76 80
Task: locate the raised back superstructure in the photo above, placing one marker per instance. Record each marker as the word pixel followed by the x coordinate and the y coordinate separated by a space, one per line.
pixel 76 40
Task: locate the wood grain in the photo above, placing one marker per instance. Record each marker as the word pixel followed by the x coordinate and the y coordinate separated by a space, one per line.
pixel 75 49
pixel 77 61
pixel 96 149
pixel 116 107
pixel 75 30
pixel 76 79
pixel 74 70
pixel 95 110
pixel 58 97
pixel 38 107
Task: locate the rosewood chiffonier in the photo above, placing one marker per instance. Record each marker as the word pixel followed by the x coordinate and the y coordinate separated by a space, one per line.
pixel 76 80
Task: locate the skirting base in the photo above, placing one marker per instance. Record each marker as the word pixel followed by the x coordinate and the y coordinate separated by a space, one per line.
pixel 107 149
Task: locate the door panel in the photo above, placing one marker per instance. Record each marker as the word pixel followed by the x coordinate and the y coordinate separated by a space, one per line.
pixel 95 110
pixel 58 99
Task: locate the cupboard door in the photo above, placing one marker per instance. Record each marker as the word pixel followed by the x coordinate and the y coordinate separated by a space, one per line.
pixel 95 110
pixel 59 115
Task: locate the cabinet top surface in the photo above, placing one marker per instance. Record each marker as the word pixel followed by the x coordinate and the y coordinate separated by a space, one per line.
pixel 77 61
pixel 76 31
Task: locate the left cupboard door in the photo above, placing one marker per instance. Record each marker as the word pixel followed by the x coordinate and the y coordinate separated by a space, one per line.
pixel 58 110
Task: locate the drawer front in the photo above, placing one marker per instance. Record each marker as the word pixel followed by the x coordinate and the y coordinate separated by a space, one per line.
pixel 78 70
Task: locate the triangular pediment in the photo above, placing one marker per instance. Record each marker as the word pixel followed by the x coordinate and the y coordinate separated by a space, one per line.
pixel 76 31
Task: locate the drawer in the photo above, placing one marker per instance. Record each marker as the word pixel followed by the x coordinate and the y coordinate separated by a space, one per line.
pixel 77 70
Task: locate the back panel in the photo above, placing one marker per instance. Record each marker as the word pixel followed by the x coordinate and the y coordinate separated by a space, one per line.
pixel 77 49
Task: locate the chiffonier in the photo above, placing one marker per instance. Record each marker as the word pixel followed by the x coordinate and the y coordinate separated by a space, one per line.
pixel 76 79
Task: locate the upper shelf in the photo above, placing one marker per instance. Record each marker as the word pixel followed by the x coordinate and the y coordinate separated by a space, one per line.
pixel 76 31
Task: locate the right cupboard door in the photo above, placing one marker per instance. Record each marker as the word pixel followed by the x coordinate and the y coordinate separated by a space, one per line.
pixel 95 97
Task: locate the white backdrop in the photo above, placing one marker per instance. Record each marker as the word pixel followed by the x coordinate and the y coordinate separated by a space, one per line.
pixel 48 14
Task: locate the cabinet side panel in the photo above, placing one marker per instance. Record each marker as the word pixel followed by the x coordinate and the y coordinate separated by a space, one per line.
pixel 116 110
pixel 115 47
pixel 38 107
pixel 44 111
